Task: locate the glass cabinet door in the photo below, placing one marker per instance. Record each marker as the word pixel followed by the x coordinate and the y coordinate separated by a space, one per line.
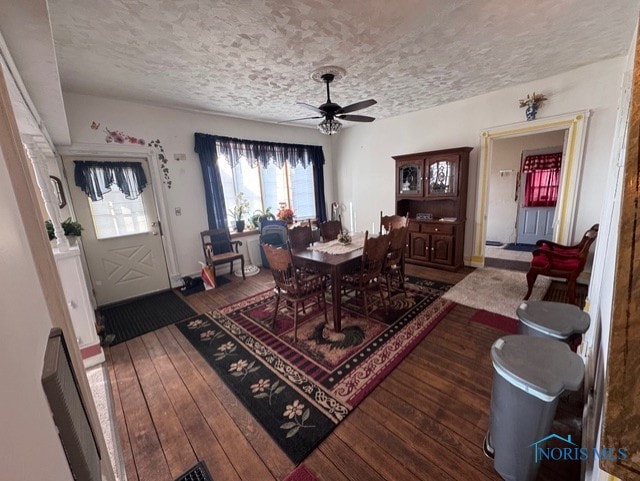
pixel 410 178
pixel 442 180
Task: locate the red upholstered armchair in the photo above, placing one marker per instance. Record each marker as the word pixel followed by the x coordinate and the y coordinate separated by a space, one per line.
pixel 556 260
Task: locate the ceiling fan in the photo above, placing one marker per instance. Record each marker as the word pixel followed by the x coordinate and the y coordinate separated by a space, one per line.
pixel 330 111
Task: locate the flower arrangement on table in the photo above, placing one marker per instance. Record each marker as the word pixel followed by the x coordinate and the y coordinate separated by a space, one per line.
pixel 344 237
pixel 286 214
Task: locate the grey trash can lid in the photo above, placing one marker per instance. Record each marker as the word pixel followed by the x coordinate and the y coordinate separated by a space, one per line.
pixel 555 319
pixel 540 366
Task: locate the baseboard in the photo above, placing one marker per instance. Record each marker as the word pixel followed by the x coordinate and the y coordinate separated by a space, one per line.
pixel 92 355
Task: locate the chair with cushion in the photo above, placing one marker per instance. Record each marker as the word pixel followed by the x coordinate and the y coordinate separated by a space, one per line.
pixel 389 222
pixel 394 262
pixel 293 285
pixel 219 249
pixel 330 229
pixel 557 260
pixel 367 276
pixel 300 237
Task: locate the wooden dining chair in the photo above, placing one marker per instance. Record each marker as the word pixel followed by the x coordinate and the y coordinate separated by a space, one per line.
pixel 367 276
pixel 300 237
pixel 394 262
pixel 293 285
pixel 330 229
pixel 390 222
pixel 219 249
pixel 557 260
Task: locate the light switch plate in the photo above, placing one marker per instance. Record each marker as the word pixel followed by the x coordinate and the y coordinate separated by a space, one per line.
pixel 178 210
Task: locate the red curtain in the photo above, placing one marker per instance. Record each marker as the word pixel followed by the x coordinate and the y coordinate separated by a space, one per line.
pixel 541 188
pixel 543 178
pixel 532 163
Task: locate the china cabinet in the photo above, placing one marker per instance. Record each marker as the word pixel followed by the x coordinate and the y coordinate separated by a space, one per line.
pixel 431 187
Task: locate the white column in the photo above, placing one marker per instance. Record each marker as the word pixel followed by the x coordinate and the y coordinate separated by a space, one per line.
pixel 37 151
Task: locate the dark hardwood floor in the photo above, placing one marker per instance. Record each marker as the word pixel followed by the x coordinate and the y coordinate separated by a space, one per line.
pixel 425 421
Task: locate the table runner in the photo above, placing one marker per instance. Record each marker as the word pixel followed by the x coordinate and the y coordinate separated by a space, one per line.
pixel 335 247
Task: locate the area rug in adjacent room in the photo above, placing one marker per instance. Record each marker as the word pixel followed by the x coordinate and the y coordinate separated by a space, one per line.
pixel 137 317
pixel 496 290
pixel 299 391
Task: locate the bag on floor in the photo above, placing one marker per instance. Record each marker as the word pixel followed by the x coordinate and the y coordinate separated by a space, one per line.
pixel 208 277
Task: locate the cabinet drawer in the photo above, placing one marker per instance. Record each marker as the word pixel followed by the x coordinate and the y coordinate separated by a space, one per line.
pixel 414 226
pixel 436 228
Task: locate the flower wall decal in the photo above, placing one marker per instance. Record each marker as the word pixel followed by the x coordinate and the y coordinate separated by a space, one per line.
pixel 119 137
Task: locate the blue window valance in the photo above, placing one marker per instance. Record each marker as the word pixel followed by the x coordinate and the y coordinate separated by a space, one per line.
pixel 97 177
pixel 265 153
pixel 210 147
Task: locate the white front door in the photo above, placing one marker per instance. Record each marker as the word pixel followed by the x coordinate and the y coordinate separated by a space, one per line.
pixel 121 239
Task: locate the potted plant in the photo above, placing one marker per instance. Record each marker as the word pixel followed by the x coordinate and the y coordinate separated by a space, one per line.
pixel 260 215
pixel 239 210
pixel 72 229
pixel 49 225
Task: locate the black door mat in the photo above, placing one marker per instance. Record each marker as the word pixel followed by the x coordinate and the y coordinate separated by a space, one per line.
pixel 132 319
pixel 520 247
pixel 198 473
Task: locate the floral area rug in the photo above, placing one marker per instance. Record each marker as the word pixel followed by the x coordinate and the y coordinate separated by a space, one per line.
pixel 300 391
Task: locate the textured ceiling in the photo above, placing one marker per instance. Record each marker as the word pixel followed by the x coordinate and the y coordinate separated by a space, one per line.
pixel 253 58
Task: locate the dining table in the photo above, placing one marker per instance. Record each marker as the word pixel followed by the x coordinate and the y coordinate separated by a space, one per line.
pixel 333 259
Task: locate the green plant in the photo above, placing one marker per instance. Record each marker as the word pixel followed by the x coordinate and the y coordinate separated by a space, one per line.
pixel 260 215
pixel 72 227
pixel 50 231
pixel 241 208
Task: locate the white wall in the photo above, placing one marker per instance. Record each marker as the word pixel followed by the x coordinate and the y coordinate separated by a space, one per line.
pixel 365 170
pixel 29 444
pixel 502 203
pixel 603 275
pixel 175 129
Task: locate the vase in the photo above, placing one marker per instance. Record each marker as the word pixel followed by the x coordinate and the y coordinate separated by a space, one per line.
pixel 239 225
pixel 531 111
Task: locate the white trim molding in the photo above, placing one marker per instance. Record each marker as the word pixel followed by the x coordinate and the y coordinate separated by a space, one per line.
pixel 575 124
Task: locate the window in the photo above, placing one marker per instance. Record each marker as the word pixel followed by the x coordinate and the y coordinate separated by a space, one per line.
pixel 114 192
pixel 541 188
pixel 542 179
pixel 268 186
pixel 116 216
pixel 267 173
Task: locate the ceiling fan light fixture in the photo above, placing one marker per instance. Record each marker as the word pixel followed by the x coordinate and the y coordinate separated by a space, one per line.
pixel 330 126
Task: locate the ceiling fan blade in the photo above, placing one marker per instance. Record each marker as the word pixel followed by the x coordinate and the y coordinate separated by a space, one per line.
pixel 303 118
pixel 356 118
pixel 357 106
pixel 309 106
